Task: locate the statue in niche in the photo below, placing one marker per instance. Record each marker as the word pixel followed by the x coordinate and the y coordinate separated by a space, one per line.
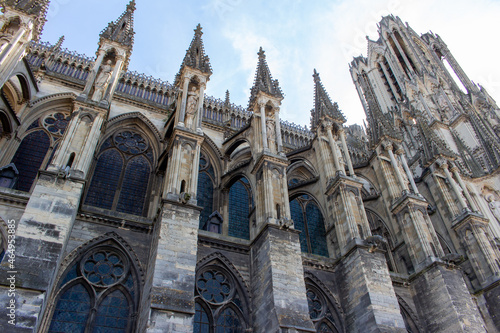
pixel 494 206
pixel 271 140
pixel 102 81
pixel 191 107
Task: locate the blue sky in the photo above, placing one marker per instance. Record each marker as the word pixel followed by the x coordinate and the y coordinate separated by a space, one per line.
pixel 297 36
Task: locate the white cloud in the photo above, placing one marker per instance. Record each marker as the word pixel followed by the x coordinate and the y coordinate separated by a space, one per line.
pixel 297 36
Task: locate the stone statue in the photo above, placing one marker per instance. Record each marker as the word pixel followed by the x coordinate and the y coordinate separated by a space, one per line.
pixel 494 206
pixel 102 81
pixel 191 107
pixel 270 134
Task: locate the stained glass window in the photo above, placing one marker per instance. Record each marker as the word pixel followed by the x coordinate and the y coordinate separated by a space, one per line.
pixel 31 153
pixel 121 175
pixel 72 311
pixel 213 286
pixel 228 322
pixel 29 158
pixel 218 303
pixel 205 190
pixel 239 209
pixel 112 314
pixel 108 273
pixel 308 219
pixel 324 316
pixel 201 323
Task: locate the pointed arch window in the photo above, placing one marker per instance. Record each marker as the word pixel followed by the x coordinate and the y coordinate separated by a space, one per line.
pixel 38 146
pixel 205 191
pixel 102 279
pixel 308 219
pixel 324 315
pixel 122 174
pixel 240 206
pixel 219 306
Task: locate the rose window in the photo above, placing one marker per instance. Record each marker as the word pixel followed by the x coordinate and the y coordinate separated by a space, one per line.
pixel 103 268
pixel 56 123
pixel 213 286
pixel 130 142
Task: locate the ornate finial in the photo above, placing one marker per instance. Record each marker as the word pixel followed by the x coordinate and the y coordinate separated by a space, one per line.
pixel 59 42
pixel 198 31
pixel 261 53
pixel 316 76
pixel 227 101
pixel 131 6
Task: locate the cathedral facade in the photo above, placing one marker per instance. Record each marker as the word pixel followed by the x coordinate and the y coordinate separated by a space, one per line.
pixel 131 204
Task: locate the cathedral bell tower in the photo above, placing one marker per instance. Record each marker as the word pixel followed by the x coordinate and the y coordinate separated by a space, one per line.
pixel 115 47
pixel 21 22
pixel 172 290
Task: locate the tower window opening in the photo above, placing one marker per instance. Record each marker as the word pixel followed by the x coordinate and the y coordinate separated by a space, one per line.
pixel 71 160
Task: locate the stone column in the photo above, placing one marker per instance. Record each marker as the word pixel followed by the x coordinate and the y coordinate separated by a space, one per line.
pixel 472 204
pixel 395 167
pixel 333 149
pixel 321 156
pixel 110 89
pixel 93 73
pixel 408 171
pixel 263 125
pixel 346 153
pixel 277 123
pixel 4 56
pixel 185 88
pixel 201 100
pixel 403 54
pixel 393 89
pixel 195 169
pixel 461 201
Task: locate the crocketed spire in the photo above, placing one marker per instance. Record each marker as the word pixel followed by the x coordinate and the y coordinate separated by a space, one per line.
pixel 323 105
pixel 122 30
pixel 195 55
pixel 264 81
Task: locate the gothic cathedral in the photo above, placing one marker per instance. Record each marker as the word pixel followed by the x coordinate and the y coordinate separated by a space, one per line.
pixel 131 204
